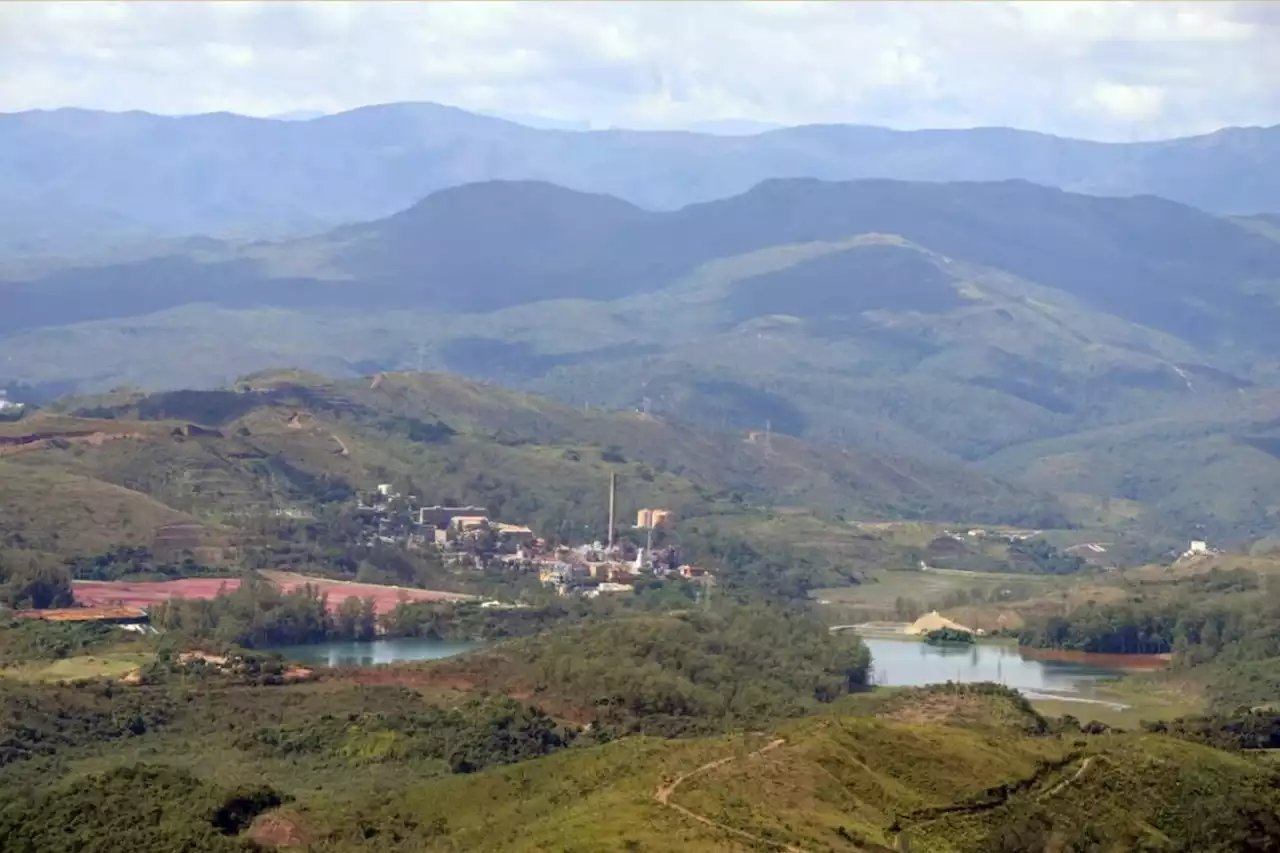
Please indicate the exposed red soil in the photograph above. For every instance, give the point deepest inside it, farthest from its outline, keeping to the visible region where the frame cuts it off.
(277, 829)
(146, 593)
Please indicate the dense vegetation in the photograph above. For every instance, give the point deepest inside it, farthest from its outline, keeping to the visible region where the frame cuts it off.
(28, 579)
(681, 673)
(37, 640)
(1245, 729)
(142, 808)
(943, 636)
(308, 738)
(1219, 628)
(1197, 626)
(136, 564)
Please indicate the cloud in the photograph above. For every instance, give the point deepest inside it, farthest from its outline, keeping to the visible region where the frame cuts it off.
(1108, 70)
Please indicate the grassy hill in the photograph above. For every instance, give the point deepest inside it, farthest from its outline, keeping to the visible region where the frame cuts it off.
(970, 773)
(240, 173)
(768, 742)
(287, 439)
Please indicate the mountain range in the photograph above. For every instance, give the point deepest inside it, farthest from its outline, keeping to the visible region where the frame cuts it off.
(1117, 352)
(235, 175)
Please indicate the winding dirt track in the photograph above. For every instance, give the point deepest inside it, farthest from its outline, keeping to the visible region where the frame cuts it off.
(663, 795)
(1057, 789)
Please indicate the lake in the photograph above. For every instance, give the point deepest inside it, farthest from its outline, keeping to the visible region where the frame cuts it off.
(896, 662)
(914, 663)
(373, 651)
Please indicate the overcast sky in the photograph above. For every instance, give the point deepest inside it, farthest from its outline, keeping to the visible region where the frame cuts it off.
(1103, 70)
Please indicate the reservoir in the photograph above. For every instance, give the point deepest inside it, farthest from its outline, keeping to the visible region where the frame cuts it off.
(896, 662)
(371, 652)
(912, 663)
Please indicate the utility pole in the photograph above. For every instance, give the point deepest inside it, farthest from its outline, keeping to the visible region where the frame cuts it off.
(613, 506)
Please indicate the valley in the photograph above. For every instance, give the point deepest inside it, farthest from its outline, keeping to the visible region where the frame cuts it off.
(403, 478)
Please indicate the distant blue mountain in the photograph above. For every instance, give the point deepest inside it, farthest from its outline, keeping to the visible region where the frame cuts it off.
(221, 172)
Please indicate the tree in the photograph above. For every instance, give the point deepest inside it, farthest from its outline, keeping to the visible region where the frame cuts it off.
(33, 581)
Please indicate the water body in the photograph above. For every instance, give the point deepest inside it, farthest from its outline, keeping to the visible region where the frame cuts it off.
(896, 662)
(914, 663)
(373, 652)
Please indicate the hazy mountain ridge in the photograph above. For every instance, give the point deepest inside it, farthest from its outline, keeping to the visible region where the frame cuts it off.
(222, 172)
(1144, 259)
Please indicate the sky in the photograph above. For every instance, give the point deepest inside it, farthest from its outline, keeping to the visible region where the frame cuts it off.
(1099, 70)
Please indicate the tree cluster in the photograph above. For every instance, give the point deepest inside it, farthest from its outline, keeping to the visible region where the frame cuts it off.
(31, 580)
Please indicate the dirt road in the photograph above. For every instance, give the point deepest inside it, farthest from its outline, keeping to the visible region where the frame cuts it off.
(664, 792)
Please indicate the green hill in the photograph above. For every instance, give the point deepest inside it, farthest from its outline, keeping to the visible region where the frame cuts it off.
(967, 776)
(224, 459)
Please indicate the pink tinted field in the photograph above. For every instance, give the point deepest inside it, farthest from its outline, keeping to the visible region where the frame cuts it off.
(144, 594)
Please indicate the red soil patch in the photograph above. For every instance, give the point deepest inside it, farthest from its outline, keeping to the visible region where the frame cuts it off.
(146, 593)
(385, 598)
(277, 829)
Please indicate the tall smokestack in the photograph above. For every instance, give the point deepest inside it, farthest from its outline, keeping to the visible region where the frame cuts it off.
(613, 506)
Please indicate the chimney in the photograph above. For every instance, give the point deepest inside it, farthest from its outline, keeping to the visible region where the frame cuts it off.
(613, 506)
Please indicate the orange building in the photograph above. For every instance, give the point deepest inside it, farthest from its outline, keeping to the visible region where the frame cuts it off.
(646, 518)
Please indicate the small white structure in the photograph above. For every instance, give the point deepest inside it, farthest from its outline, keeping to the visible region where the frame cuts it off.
(384, 489)
(1197, 549)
